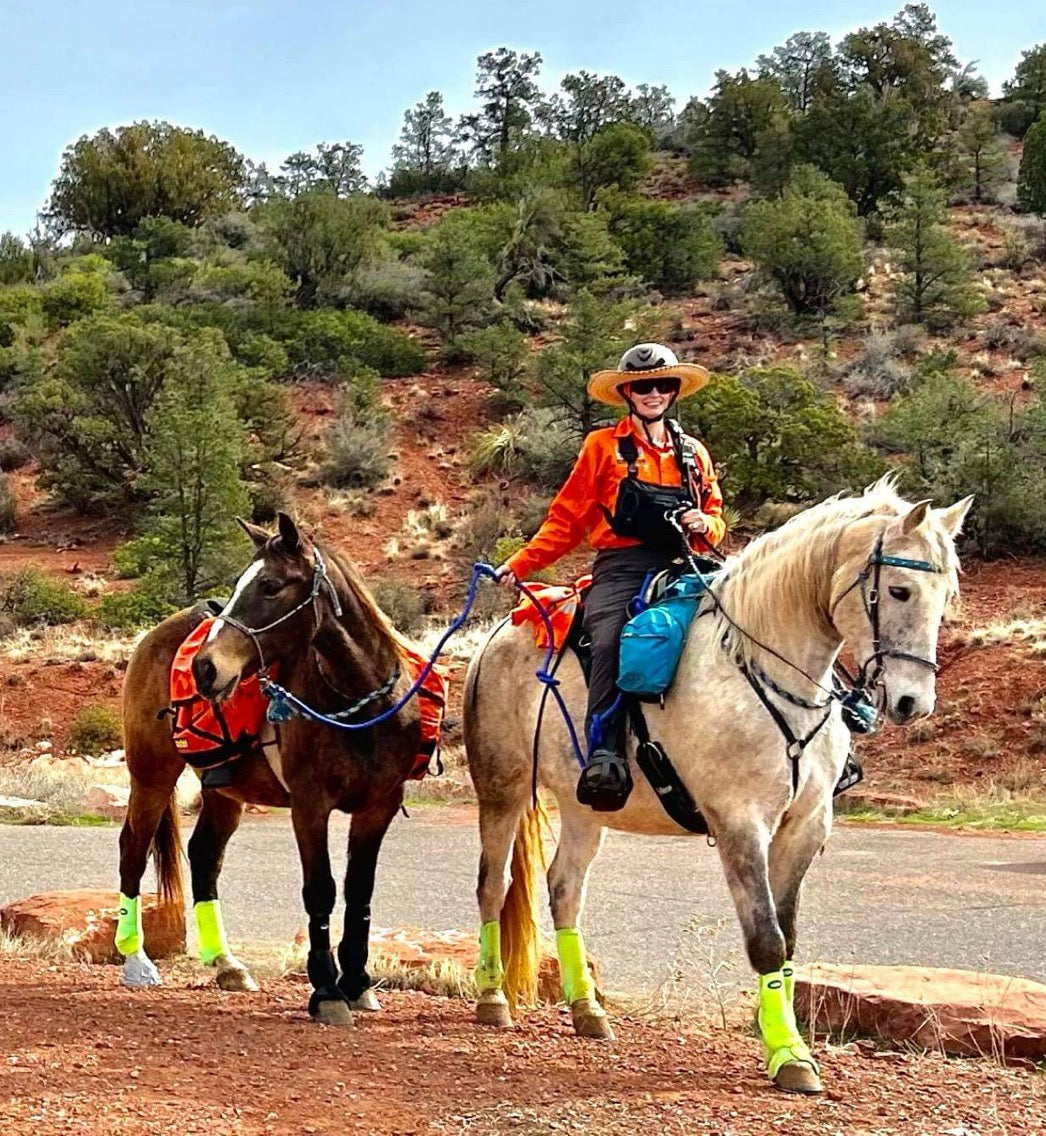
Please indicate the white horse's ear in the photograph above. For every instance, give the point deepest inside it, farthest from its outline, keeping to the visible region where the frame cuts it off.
(259, 537)
(953, 517)
(915, 517)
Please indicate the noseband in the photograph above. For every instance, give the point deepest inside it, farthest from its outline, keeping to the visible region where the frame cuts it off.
(867, 580)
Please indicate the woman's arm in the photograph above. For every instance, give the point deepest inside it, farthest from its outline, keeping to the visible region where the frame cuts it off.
(568, 519)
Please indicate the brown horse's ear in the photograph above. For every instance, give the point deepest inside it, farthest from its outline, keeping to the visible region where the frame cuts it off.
(915, 517)
(259, 537)
(288, 533)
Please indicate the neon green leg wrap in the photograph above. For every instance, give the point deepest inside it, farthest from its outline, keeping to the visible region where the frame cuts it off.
(210, 930)
(129, 937)
(788, 974)
(573, 965)
(778, 1027)
(490, 974)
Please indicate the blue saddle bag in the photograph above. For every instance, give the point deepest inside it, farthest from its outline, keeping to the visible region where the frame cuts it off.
(652, 641)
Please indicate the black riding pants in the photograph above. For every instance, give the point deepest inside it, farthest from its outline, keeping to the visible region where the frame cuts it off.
(617, 576)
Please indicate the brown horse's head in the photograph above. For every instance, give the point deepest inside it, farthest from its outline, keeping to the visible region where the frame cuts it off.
(273, 612)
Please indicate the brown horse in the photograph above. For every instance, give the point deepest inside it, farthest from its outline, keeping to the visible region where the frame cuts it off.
(308, 610)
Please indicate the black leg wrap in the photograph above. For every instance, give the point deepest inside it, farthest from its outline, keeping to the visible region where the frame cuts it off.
(352, 955)
(323, 974)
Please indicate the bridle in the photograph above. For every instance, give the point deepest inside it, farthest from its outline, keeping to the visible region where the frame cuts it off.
(321, 585)
(870, 671)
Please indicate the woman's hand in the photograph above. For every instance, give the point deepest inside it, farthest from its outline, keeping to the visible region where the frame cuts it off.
(693, 521)
(505, 575)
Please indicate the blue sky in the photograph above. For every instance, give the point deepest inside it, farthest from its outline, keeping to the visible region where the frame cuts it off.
(275, 77)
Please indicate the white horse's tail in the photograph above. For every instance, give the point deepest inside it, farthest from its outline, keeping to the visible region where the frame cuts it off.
(520, 938)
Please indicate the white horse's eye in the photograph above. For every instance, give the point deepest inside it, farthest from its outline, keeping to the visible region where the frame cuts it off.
(899, 593)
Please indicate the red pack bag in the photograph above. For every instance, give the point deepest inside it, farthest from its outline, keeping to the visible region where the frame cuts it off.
(210, 733)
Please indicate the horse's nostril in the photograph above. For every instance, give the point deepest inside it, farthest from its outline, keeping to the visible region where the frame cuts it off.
(204, 672)
(905, 705)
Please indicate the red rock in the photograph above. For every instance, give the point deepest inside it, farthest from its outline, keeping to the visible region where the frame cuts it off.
(86, 919)
(960, 1012)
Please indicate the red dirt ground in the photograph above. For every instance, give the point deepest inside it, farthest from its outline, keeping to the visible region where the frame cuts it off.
(82, 1055)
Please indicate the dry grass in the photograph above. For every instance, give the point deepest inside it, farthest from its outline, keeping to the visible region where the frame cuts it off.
(1029, 632)
(57, 797)
(59, 950)
(70, 643)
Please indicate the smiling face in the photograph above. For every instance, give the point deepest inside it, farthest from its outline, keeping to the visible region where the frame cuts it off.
(651, 397)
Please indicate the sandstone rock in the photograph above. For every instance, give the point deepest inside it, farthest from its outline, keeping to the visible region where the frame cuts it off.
(106, 801)
(960, 1012)
(86, 920)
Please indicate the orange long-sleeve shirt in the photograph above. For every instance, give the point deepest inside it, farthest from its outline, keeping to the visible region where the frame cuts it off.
(575, 511)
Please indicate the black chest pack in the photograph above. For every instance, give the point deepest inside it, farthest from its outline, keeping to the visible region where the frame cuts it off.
(642, 508)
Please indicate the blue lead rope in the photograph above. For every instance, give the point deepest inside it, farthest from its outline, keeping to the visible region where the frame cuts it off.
(283, 706)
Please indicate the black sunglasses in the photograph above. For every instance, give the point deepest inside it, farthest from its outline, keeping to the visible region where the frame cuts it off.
(666, 385)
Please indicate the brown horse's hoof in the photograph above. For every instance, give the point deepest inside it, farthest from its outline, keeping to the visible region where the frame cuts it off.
(798, 1077)
(366, 1003)
(333, 1012)
(233, 975)
(590, 1020)
(492, 1009)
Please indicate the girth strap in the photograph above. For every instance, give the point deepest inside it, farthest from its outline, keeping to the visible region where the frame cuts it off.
(658, 769)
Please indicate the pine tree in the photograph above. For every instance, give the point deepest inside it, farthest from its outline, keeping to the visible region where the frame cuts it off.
(425, 152)
(1031, 181)
(935, 286)
(196, 442)
(982, 153)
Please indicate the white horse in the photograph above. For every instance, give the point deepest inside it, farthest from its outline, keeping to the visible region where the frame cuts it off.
(871, 571)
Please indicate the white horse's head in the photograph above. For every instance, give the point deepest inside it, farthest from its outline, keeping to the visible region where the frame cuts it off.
(892, 579)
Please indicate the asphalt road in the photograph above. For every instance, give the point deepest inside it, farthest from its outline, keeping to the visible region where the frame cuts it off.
(656, 906)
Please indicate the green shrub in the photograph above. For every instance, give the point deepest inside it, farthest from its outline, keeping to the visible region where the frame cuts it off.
(807, 241)
(957, 440)
(669, 246)
(501, 354)
(73, 296)
(357, 447)
(14, 454)
(257, 280)
(7, 507)
(255, 349)
(30, 596)
(547, 447)
(486, 522)
(387, 290)
(95, 730)
(405, 605)
(777, 437)
(323, 339)
(143, 605)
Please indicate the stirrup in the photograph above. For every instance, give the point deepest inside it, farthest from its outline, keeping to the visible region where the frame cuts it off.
(605, 782)
(851, 775)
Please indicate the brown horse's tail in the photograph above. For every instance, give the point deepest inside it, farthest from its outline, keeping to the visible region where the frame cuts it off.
(520, 938)
(167, 848)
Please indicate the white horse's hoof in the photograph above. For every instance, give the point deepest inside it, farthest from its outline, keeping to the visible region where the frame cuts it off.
(333, 1013)
(367, 1002)
(233, 975)
(139, 971)
(493, 1009)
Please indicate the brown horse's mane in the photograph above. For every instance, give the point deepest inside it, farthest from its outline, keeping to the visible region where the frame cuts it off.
(351, 586)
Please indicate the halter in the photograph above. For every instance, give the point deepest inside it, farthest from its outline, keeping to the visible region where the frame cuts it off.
(321, 583)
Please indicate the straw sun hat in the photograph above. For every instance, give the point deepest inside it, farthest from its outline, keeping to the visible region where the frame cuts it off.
(646, 361)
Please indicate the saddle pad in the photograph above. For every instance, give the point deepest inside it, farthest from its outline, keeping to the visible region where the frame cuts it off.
(432, 705)
(560, 602)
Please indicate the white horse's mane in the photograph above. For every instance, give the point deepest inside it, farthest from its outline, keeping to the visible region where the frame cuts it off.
(774, 574)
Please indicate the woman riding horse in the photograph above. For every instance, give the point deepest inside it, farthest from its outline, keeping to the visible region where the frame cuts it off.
(625, 479)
